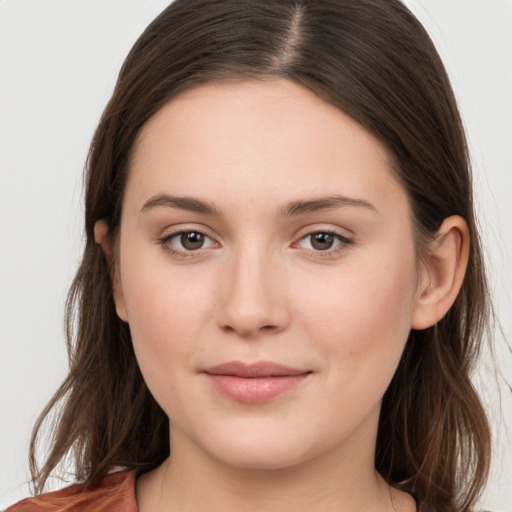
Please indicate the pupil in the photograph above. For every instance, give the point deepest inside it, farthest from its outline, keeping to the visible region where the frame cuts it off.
(192, 240)
(322, 241)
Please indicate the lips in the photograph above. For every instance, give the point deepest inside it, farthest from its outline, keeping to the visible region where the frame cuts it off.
(254, 383)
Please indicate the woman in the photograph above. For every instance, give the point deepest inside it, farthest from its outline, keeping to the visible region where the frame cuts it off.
(282, 284)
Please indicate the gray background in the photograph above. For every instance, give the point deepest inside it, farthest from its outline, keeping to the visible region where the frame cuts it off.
(58, 64)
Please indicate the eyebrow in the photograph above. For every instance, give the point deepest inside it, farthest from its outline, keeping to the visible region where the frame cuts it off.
(323, 203)
(292, 209)
(183, 203)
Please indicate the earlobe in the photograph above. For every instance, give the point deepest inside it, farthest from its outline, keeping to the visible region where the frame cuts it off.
(443, 273)
(102, 239)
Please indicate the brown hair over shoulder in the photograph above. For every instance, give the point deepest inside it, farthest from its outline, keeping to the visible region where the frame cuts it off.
(373, 60)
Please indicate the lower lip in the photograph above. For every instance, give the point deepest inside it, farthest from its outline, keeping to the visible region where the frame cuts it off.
(254, 390)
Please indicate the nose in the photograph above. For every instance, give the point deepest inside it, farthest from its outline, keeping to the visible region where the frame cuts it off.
(252, 298)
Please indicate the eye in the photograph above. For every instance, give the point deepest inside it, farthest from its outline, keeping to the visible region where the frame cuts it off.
(321, 241)
(183, 242)
(326, 242)
(191, 240)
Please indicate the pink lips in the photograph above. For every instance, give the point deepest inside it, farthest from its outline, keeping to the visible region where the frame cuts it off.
(254, 383)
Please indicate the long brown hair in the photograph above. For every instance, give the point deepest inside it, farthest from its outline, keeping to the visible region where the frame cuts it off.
(373, 60)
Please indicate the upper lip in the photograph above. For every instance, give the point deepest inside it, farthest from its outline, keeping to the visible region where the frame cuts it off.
(258, 369)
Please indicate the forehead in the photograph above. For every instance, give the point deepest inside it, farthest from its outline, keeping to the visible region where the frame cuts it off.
(273, 137)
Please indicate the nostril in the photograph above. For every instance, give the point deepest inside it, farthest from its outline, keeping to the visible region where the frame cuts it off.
(248, 331)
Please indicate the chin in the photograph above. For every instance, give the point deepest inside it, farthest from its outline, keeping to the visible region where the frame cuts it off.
(263, 450)
(262, 459)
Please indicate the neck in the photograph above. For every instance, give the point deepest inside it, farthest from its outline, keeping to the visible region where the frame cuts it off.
(342, 479)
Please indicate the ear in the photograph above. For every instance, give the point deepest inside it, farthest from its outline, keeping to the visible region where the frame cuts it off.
(101, 238)
(443, 273)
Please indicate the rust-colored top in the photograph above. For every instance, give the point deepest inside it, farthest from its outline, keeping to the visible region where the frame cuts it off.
(115, 493)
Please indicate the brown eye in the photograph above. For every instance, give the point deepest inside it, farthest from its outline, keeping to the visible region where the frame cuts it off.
(324, 244)
(322, 241)
(192, 240)
(188, 244)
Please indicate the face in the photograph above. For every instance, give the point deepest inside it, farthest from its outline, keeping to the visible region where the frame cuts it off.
(267, 271)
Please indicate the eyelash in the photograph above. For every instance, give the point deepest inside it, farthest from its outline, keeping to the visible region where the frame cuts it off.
(183, 253)
(344, 243)
(342, 246)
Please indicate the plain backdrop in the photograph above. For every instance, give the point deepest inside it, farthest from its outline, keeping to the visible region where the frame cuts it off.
(58, 64)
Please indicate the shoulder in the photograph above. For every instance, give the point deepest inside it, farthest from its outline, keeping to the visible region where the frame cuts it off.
(115, 493)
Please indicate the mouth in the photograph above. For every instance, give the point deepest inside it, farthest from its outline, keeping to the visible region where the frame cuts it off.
(254, 383)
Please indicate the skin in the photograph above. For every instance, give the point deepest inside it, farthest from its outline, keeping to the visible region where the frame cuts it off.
(260, 290)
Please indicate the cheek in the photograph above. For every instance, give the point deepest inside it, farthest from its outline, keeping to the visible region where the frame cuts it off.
(155, 310)
(362, 319)
(167, 312)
